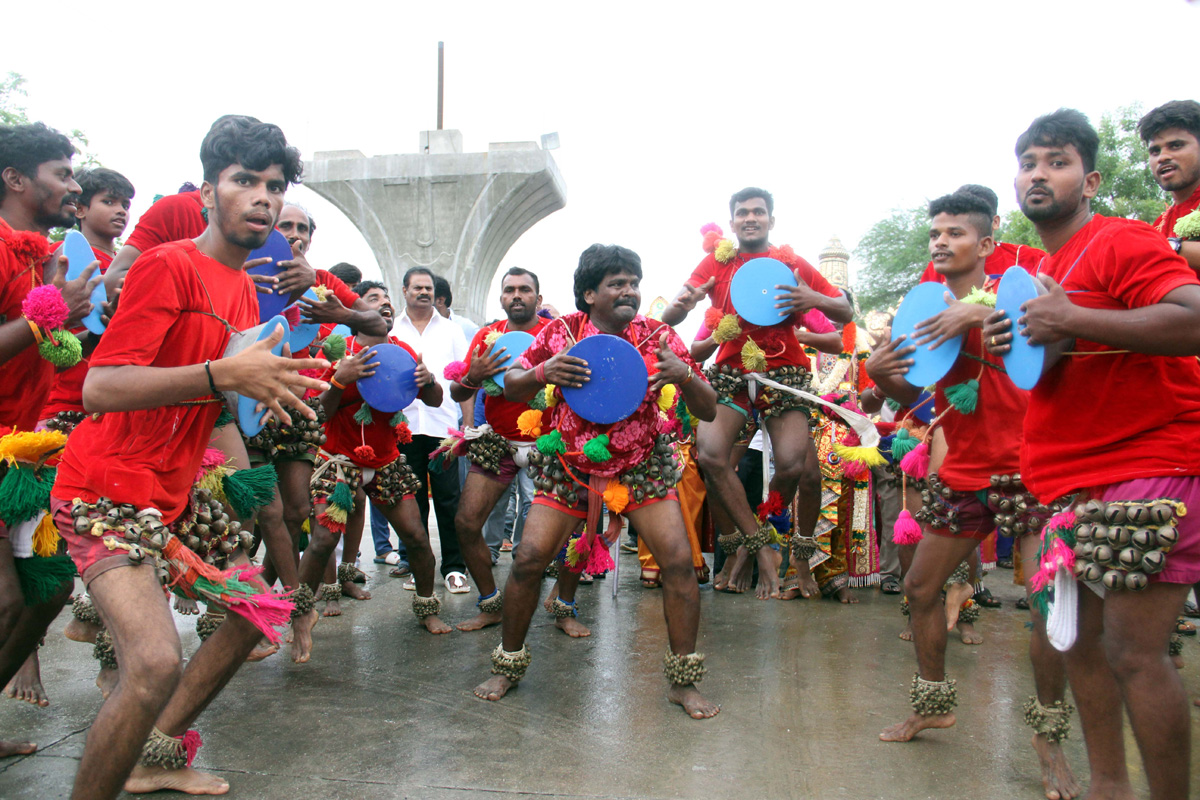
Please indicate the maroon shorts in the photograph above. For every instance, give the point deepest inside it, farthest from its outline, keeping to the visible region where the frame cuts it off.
(91, 556)
(508, 470)
(1183, 560)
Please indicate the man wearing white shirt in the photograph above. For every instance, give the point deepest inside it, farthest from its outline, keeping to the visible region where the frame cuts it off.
(439, 341)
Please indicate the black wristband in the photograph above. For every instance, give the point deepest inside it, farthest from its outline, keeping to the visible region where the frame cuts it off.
(1176, 243)
(211, 384)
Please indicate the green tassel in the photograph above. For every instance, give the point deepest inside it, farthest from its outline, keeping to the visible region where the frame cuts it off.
(596, 449)
(224, 418)
(397, 420)
(964, 396)
(492, 388)
(363, 415)
(66, 354)
(538, 401)
(43, 578)
(686, 421)
(894, 405)
(550, 443)
(342, 497)
(23, 493)
(903, 444)
(250, 489)
(334, 346)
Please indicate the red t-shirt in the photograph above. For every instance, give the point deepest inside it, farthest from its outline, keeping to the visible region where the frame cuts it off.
(25, 378)
(778, 340)
(632, 439)
(1100, 419)
(1004, 256)
(343, 433)
(174, 217)
(345, 296)
(1166, 220)
(502, 414)
(66, 393)
(149, 458)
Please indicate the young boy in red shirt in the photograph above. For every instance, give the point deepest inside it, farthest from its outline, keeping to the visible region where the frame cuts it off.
(974, 488)
(156, 382)
(1172, 136)
(1120, 310)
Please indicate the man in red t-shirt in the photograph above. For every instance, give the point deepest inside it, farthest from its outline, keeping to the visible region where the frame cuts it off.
(155, 384)
(628, 466)
(489, 475)
(1120, 310)
(1172, 136)
(37, 193)
(786, 416)
(974, 488)
(1004, 255)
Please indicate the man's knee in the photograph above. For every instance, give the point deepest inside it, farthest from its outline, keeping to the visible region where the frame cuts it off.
(150, 674)
(529, 562)
(711, 457)
(323, 541)
(1126, 660)
(920, 589)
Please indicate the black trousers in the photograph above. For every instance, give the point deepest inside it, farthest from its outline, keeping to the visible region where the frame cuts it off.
(444, 488)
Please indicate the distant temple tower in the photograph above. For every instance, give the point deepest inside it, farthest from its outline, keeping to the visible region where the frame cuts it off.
(834, 264)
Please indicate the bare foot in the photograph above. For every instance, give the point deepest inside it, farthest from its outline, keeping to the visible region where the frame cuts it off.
(493, 688)
(435, 625)
(721, 579)
(480, 621)
(186, 606)
(263, 649)
(106, 681)
(845, 596)
(27, 683)
(1177, 661)
(769, 560)
(79, 631)
(805, 582)
(548, 603)
(333, 608)
(741, 574)
(906, 634)
(689, 698)
(353, 590)
(651, 583)
(572, 627)
(302, 628)
(16, 749)
(187, 780)
(904, 731)
(1057, 777)
(968, 634)
(956, 595)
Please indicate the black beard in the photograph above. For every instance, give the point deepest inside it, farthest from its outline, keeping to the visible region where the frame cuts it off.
(250, 241)
(520, 317)
(60, 220)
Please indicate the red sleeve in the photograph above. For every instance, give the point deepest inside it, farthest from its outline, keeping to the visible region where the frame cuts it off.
(703, 271)
(476, 343)
(174, 217)
(930, 275)
(815, 280)
(341, 291)
(1140, 268)
(150, 306)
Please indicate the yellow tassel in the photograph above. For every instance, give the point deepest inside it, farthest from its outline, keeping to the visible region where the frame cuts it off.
(336, 513)
(573, 556)
(491, 338)
(666, 397)
(45, 537)
(322, 292)
(866, 455)
(551, 397)
(530, 423)
(725, 251)
(754, 358)
(307, 527)
(727, 330)
(30, 446)
(213, 481)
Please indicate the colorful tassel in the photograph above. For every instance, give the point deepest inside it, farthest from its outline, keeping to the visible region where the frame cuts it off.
(979, 297)
(754, 358)
(724, 251)
(398, 419)
(596, 449)
(855, 470)
(43, 578)
(907, 530)
(529, 423)
(538, 401)
(45, 537)
(24, 492)
(61, 348)
(45, 307)
(224, 418)
(363, 415)
(772, 506)
(964, 396)
(491, 338)
(916, 463)
(712, 318)
(250, 489)
(334, 347)
(616, 496)
(491, 388)
(455, 371)
(666, 397)
(403, 433)
(727, 329)
(191, 740)
(599, 559)
(551, 396)
(903, 444)
(364, 452)
(870, 456)
(550, 443)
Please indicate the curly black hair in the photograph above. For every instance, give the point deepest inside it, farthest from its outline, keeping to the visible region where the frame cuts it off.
(597, 263)
(237, 139)
(1060, 128)
(26, 147)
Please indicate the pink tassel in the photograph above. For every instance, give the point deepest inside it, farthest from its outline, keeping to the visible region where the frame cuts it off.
(854, 470)
(266, 611)
(710, 241)
(599, 560)
(907, 530)
(916, 463)
(212, 458)
(709, 226)
(191, 745)
(1060, 521)
(1041, 580)
(455, 370)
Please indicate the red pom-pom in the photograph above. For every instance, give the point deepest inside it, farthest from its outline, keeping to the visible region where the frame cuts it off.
(292, 315)
(403, 433)
(711, 239)
(907, 530)
(712, 318)
(455, 370)
(44, 306)
(364, 452)
(710, 227)
(787, 255)
(772, 506)
(854, 470)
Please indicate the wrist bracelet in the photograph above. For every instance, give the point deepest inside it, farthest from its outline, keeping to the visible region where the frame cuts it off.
(333, 382)
(1176, 243)
(539, 372)
(211, 383)
(691, 374)
(467, 384)
(37, 332)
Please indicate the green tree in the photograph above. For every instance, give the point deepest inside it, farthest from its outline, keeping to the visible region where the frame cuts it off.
(893, 252)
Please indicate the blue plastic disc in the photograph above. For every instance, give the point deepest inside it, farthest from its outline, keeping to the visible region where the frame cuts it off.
(79, 255)
(753, 291)
(514, 343)
(248, 420)
(277, 249)
(341, 330)
(393, 387)
(922, 302)
(303, 334)
(1023, 361)
(617, 384)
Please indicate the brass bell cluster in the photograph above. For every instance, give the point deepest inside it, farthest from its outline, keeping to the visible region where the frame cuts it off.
(302, 437)
(488, 451)
(1121, 544)
(656, 476)
(210, 533)
(65, 421)
(550, 477)
(1017, 511)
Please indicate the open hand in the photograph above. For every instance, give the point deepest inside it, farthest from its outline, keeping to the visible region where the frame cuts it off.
(670, 368)
(797, 299)
(296, 275)
(564, 370)
(485, 365)
(955, 321)
(328, 311)
(892, 360)
(272, 380)
(691, 295)
(77, 294)
(352, 367)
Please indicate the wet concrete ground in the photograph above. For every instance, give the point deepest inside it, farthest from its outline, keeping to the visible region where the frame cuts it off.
(385, 710)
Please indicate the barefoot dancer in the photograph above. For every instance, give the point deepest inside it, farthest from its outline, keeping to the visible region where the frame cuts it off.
(1121, 308)
(623, 456)
(360, 453)
(775, 352)
(500, 448)
(156, 379)
(972, 488)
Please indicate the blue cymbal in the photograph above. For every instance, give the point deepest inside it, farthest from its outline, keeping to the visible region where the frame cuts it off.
(617, 385)
(250, 421)
(752, 290)
(1023, 361)
(277, 249)
(925, 300)
(79, 255)
(514, 343)
(303, 334)
(393, 387)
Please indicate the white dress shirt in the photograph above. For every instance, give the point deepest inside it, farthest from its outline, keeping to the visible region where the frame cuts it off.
(441, 343)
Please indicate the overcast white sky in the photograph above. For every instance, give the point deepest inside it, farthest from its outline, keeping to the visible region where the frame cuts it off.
(842, 110)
